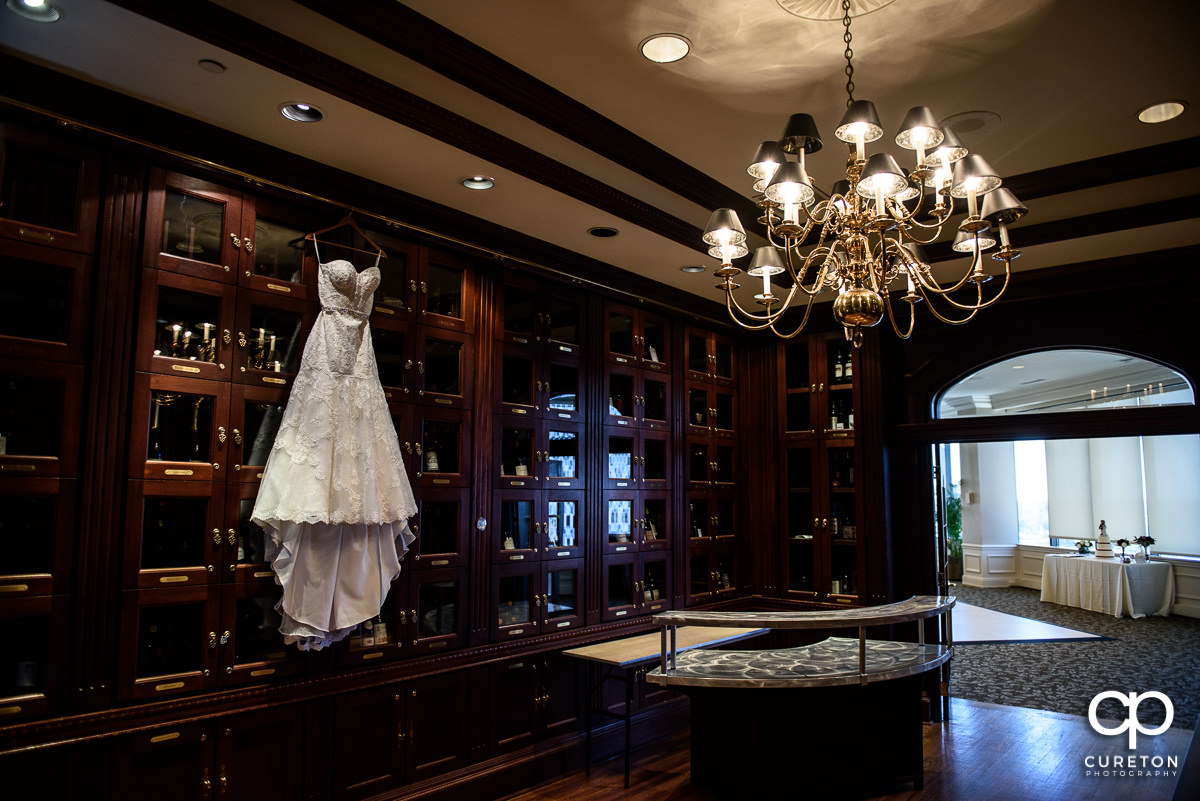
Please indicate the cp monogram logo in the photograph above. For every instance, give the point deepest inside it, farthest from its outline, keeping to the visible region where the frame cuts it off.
(1131, 723)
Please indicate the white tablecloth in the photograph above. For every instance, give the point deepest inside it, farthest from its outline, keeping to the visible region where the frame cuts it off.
(1110, 586)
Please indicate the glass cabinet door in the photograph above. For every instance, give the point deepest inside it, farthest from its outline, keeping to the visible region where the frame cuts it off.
(798, 385)
(39, 402)
(255, 647)
(619, 459)
(443, 374)
(562, 595)
(49, 190)
(700, 520)
(393, 356)
(563, 321)
(518, 453)
(655, 528)
(699, 578)
(442, 528)
(655, 342)
(802, 522)
(46, 293)
(655, 460)
(622, 395)
(515, 595)
(513, 532)
(37, 521)
(561, 455)
(620, 585)
(563, 391)
(175, 638)
(255, 414)
(444, 290)
(395, 297)
(441, 452)
(655, 402)
(179, 428)
(33, 657)
(175, 533)
(270, 339)
(518, 383)
(437, 612)
(563, 525)
(198, 227)
(186, 326)
(655, 592)
(621, 522)
(275, 258)
(620, 336)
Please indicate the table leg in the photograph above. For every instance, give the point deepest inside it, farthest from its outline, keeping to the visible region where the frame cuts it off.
(587, 738)
(629, 674)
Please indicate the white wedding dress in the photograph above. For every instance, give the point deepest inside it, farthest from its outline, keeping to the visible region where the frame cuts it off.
(335, 499)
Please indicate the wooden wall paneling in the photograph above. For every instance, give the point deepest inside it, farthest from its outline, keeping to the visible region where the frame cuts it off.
(320, 740)
(106, 427)
(486, 309)
(595, 412)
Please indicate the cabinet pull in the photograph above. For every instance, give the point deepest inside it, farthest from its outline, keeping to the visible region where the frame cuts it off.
(403, 618)
(225, 637)
(408, 446)
(222, 782)
(539, 386)
(237, 437)
(231, 536)
(212, 641)
(537, 600)
(237, 243)
(241, 339)
(248, 244)
(816, 523)
(824, 522)
(205, 786)
(221, 437)
(227, 336)
(424, 288)
(417, 446)
(400, 735)
(421, 368)
(408, 364)
(216, 536)
(821, 387)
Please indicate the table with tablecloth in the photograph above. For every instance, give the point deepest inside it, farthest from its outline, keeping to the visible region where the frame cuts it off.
(1110, 586)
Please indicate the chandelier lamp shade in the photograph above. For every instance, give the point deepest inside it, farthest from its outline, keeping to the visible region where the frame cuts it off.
(863, 239)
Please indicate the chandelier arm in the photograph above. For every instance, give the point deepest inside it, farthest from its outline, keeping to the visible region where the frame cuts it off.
(758, 321)
(981, 304)
(798, 276)
(948, 320)
(912, 318)
(937, 231)
(803, 322)
(935, 286)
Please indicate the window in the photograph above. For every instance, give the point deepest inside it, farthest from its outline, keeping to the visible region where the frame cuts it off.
(1055, 491)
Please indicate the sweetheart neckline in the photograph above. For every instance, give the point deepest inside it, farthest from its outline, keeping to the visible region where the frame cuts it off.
(345, 261)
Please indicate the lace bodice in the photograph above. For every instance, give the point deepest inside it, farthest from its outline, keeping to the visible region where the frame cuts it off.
(340, 286)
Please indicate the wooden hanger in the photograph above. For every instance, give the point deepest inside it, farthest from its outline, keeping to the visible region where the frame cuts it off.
(348, 220)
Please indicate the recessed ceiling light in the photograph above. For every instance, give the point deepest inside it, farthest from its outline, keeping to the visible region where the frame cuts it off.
(1018, 367)
(1161, 112)
(603, 232)
(478, 182)
(209, 65)
(36, 10)
(692, 268)
(301, 112)
(663, 48)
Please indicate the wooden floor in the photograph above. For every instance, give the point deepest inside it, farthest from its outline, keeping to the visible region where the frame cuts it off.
(985, 753)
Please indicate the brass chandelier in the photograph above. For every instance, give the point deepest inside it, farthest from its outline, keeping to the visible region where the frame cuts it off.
(870, 228)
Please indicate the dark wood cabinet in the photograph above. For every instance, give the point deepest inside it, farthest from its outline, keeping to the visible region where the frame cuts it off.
(236, 757)
(821, 506)
(530, 699)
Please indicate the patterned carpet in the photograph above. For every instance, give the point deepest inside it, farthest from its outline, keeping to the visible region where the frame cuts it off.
(1150, 653)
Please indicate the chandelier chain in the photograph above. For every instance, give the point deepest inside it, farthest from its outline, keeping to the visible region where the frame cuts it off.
(849, 53)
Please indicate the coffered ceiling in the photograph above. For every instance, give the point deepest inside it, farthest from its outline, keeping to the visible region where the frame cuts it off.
(553, 100)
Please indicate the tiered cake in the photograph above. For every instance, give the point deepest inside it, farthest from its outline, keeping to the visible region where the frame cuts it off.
(1103, 544)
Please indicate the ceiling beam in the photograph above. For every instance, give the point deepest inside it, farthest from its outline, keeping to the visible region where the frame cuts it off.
(419, 38)
(250, 40)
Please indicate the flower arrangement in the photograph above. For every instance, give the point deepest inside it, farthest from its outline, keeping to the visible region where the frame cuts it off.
(1123, 544)
(1145, 541)
(1083, 546)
